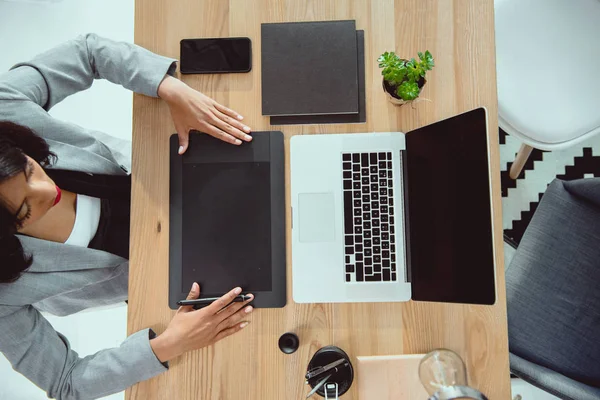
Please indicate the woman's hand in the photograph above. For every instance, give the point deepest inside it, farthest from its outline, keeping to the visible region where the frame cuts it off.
(192, 110)
(193, 329)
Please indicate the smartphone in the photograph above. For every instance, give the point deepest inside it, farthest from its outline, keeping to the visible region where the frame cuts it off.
(215, 56)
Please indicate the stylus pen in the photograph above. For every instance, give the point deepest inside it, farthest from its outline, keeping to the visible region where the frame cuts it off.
(209, 300)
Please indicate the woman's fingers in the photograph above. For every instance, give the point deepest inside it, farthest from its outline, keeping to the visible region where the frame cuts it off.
(228, 111)
(232, 126)
(234, 308)
(231, 130)
(184, 137)
(193, 294)
(218, 305)
(230, 331)
(213, 128)
(242, 312)
(219, 134)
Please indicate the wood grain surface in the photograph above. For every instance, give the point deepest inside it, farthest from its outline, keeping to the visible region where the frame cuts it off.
(249, 366)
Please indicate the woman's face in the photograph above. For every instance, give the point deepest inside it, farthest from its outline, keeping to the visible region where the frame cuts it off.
(29, 194)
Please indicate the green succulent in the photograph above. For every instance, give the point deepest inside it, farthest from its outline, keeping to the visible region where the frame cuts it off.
(408, 90)
(405, 74)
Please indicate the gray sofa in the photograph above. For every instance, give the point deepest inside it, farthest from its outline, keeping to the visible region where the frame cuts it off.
(553, 293)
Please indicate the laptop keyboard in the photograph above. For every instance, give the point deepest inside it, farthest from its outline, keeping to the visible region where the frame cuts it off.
(369, 231)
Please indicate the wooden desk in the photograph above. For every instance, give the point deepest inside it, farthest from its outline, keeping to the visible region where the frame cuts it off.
(249, 366)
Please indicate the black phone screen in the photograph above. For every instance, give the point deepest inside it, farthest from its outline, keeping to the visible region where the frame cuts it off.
(218, 55)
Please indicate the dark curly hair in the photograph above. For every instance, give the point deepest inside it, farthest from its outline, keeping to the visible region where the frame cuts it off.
(16, 141)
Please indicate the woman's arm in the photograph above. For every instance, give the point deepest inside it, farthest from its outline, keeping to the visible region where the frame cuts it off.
(44, 356)
(72, 67)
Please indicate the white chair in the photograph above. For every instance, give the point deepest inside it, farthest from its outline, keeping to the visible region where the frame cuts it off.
(548, 67)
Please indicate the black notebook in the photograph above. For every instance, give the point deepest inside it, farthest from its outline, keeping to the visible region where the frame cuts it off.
(309, 68)
(336, 118)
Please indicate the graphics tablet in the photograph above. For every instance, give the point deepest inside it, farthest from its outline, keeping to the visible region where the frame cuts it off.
(227, 218)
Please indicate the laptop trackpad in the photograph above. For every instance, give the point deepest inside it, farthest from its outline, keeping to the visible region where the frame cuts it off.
(316, 217)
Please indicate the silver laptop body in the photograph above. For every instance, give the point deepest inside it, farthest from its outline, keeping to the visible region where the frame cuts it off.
(348, 233)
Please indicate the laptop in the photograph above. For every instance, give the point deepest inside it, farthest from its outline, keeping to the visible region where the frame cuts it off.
(382, 217)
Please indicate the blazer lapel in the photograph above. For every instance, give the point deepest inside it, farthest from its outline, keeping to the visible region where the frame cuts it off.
(94, 185)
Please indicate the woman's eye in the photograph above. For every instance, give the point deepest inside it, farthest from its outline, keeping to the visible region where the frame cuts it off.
(24, 214)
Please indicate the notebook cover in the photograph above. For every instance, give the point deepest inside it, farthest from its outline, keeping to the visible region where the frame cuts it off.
(390, 378)
(336, 118)
(309, 68)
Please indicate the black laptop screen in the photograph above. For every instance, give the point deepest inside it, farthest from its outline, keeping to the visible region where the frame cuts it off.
(449, 212)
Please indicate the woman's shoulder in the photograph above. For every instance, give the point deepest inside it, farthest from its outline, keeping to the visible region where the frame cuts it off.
(51, 256)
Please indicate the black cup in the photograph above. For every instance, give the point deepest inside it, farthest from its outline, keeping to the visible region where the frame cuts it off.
(289, 343)
(343, 376)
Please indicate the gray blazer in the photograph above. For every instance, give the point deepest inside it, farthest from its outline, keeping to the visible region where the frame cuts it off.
(66, 279)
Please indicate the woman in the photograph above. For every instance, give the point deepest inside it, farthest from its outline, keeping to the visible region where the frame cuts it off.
(64, 219)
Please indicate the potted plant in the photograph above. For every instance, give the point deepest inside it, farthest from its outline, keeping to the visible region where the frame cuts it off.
(404, 79)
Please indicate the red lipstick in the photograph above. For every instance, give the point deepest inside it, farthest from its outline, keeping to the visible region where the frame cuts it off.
(58, 196)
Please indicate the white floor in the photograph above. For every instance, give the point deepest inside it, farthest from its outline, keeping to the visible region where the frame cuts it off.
(29, 27)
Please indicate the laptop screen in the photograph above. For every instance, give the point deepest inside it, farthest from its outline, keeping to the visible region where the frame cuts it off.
(450, 242)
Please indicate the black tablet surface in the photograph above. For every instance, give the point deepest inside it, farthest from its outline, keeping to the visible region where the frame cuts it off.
(227, 218)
